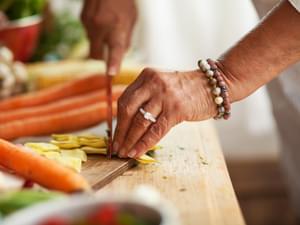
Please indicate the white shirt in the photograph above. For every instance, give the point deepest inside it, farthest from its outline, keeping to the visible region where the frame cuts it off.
(296, 4)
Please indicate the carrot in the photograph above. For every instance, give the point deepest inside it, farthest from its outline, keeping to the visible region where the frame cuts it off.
(56, 123)
(72, 88)
(60, 106)
(41, 170)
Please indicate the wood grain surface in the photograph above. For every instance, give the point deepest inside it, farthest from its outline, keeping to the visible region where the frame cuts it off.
(99, 170)
(191, 174)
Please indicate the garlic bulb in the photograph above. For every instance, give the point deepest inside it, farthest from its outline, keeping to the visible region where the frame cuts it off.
(13, 75)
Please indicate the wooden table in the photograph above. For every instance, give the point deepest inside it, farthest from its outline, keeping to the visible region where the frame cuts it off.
(191, 174)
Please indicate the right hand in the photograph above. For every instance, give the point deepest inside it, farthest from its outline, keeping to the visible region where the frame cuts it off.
(109, 23)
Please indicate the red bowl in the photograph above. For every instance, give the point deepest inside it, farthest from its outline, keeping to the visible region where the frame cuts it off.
(21, 36)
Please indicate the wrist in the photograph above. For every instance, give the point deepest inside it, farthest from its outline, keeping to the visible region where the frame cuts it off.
(205, 106)
(236, 88)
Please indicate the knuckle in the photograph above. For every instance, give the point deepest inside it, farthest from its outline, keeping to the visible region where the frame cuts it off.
(143, 144)
(128, 142)
(118, 45)
(140, 122)
(100, 21)
(123, 108)
(155, 75)
(147, 71)
(159, 129)
(177, 104)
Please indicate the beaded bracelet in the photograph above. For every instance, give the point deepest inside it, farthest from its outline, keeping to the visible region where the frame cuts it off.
(219, 89)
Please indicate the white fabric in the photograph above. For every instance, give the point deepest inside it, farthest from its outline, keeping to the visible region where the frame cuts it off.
(285, 96)
(174, 34)
(296, 4)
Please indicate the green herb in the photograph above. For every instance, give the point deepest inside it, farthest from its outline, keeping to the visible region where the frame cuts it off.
(17, 9)
(57, 42)
(203, 161)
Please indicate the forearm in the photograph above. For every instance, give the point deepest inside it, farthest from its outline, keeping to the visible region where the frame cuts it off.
(262, 54)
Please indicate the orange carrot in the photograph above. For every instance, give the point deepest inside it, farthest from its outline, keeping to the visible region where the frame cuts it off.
(56, 123)
(41, 170)
(72, 88)
(60, 106)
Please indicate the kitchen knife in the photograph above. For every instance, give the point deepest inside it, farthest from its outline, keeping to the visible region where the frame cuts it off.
(109, 114)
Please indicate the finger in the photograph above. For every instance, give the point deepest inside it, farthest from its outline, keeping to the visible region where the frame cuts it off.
(128, 104)
(152, 136)
(117, 48)
(139, 126)
(97, 46)
(88, 12)
(95, 36)
(123, 121)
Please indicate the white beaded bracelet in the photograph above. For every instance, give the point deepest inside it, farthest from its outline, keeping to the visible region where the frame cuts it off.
(219, 89)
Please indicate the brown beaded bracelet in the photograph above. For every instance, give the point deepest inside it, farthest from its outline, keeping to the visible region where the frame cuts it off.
(219, 89)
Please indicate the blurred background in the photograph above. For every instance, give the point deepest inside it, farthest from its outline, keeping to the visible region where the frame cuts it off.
(174, 34)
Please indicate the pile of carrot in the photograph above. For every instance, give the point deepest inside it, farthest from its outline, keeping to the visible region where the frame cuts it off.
(65, 107)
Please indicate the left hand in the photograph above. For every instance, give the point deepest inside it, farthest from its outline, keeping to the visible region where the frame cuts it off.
(109, 25)
(171, 97)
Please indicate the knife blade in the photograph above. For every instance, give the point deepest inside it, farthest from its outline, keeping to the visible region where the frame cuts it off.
(109, 114)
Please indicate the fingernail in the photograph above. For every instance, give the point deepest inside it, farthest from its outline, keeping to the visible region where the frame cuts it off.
(115, 147)
(112, 71)
(122, 153)
(132, 153)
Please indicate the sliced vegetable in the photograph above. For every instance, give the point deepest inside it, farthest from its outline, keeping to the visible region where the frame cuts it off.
(77, 153)
(73, 163)
(66, 144)
(145, 159)
(69, 158)
(93, 150)
(42, 146)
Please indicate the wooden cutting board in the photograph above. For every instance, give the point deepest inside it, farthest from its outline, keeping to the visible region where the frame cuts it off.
(99, 170)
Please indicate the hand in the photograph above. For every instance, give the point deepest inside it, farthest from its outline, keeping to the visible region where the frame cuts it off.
(109, 23)
(171, 97)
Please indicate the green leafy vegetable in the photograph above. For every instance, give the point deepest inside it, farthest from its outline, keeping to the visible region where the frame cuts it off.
(17, 9)
(58, 41)
(12, 201)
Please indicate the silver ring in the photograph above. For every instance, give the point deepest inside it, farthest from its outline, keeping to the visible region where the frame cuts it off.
(148, 116)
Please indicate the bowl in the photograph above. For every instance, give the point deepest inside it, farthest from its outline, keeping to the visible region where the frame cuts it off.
(21, 36)
(77, 207)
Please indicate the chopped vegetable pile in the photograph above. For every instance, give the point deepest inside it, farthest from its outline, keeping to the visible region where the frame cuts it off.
(71, 150)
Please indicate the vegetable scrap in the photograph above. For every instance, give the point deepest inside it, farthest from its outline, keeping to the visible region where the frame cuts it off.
(180, 148)
(182, 189)
(203, 160)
